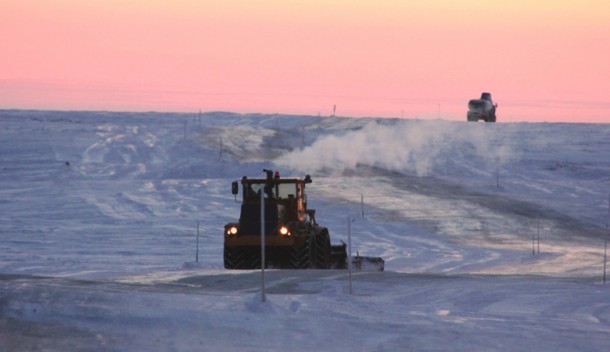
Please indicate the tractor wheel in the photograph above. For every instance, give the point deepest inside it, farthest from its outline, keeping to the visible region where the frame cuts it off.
(234, 258)
(301, 256)
(239, 258)
(322, 252)
(255, 261)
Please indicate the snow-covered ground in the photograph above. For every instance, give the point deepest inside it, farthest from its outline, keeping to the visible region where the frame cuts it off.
(100, 210)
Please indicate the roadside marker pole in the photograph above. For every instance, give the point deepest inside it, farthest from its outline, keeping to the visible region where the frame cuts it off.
(538, 233)
(605, 258)
(262, 245)
(362, 204)
(197, 251)
(533, 244)
(349, 257)
(220, 148)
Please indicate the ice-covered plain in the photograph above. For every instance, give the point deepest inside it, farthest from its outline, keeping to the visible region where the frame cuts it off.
(100, 212)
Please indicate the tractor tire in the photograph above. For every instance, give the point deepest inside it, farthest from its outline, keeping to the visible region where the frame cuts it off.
(234, 258)
(301, 257)
(239, 258)
(322, 252)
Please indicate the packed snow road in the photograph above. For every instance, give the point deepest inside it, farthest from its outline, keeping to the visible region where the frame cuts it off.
(100, 214)
(305, 310)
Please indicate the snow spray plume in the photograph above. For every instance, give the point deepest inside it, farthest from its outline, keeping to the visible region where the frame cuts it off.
(404, 146)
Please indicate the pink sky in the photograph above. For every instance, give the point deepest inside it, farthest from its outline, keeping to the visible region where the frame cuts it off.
(541, 60)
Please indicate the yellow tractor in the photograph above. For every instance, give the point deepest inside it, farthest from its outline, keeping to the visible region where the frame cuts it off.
(293, 239)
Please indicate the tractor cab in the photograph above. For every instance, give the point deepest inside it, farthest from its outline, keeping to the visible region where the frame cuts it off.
(289, 193)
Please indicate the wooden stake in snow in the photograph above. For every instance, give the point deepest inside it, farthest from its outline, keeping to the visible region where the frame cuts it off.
(605, 257)
(538, 234)
(197, 250)
(220, 148)
(533, 244)
(262, 245)
(349, 251)
(362, 204)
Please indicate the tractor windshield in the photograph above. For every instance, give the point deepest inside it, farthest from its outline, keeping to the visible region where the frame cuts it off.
(286, 190)
(279, 191)
(252, 191)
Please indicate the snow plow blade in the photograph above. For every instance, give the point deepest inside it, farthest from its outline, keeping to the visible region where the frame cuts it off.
(339, 260)
(338, 256)
(367, 263)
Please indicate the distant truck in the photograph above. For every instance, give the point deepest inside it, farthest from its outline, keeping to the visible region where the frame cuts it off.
(482, 109)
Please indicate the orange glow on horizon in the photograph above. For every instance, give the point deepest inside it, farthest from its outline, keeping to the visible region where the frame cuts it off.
(546, 60)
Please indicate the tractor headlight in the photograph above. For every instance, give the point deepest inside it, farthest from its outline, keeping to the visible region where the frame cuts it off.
(232, 231)
(284, 231)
